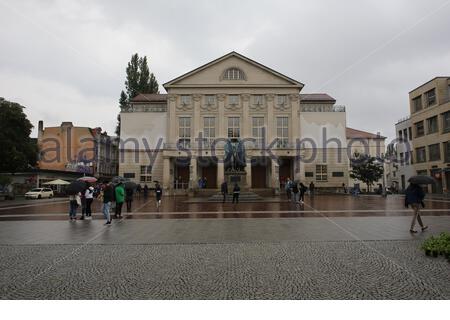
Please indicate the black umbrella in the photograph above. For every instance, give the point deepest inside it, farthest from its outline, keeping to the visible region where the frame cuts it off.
(422, 180)
(76, 186)
(118, 179)
(130, 185)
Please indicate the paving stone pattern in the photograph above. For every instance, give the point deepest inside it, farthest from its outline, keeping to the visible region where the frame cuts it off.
(246, 270)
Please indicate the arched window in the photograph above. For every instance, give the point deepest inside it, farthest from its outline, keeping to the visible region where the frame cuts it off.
(234, 74)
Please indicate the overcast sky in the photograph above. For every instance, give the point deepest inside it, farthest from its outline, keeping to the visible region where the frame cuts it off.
(66, 60)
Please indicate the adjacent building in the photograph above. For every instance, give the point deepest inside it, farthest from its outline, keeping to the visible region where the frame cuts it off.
(82, 150)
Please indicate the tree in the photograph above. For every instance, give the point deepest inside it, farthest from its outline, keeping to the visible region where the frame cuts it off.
(18, 151)
(139, 80)
(366, 169)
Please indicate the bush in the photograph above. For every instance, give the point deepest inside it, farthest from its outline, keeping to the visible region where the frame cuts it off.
(439, 245)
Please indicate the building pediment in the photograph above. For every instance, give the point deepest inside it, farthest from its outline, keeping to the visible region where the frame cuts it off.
(232, 70)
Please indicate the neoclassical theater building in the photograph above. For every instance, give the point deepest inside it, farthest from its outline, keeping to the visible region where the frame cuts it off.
(180, 137)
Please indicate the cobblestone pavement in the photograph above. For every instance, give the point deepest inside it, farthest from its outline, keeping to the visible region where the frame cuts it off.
(295, 258)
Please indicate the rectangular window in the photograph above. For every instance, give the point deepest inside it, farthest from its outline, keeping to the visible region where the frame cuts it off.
(417, 103)
(186, 99)
(234, 130)
(258, 130)
(233, 99)
(420, 129)
(184, 132)
(430, 97)
(405, 134)
(446, 122)
(447, 151)
(321, 172)
(129, 175)
(337, 174)
(434, 152)
(258, 99)
(309, 174)
(400, 135)
(210, 99)
(281, 99)
(421, 155)
(411, 157)
(402, 159)
(410, 133)
(432, 124)
(145, 174)
(209, 130)
(282, 132)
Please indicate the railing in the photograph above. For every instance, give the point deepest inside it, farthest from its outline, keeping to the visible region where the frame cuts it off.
(403, 119)
(322, 108)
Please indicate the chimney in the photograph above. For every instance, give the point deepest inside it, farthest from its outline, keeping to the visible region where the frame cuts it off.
(40, 129)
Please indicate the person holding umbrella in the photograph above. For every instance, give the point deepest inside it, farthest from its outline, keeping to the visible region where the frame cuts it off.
(107, 196)
(414, 196)
(129, 191)
(120, 198)
(74, 203)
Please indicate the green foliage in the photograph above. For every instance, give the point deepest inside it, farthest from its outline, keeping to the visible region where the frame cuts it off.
(366, 169)
(18, 151)
(437, 245)
(139, 80)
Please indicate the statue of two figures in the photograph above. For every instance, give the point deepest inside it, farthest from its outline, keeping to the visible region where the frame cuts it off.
(234, 156)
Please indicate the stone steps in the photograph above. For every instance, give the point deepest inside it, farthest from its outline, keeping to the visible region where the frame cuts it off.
(244, 196)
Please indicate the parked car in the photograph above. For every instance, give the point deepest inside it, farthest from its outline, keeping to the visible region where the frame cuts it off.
(39, 193)
(7, 192)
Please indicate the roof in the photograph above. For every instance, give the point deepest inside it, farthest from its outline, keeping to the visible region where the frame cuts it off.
(317, 97)
(238, 55)
(150, 97)
(423, 84)
(359, 134)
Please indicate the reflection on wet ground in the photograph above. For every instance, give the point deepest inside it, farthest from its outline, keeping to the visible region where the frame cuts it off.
(183, 208)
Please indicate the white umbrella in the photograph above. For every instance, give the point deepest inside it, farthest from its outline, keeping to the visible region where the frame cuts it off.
(57, 182)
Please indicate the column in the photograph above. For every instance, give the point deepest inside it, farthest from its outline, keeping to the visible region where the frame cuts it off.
(193, 174)
(295, 121)
(246, 131)
(197, 126)
(220, 171)
(166, 174)
(172, 125)
(270, 118)
(275, 180)
(221, 122)
(248, 171)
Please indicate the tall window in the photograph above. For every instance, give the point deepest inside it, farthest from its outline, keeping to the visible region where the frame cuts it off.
(420, 129)
(282, 132)
(410, 133)
(233, 99)
(234, 74)
(405, 134)
(447, 151)
(209, 130)
(146, 174)
(321, 172)
(417, 103)
(400, 135)
(184, 132)
(258, 99)
(446, 122)
(421, 155)
(234, 130)
(186, 99)
(431, 97)
(434, 152)
(258, 130)
(432, 124)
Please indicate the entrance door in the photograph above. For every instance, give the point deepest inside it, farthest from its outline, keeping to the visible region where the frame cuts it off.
(208, 170)
(285, 171)
(181, 173)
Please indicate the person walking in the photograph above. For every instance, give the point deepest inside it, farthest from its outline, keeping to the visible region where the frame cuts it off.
(311, 188)
(74, 203)
(120, 198)
(295, 192)
(236, 192)
(107, 198)
(224, 190)
(138, 191)
(302, 190)
(145, 191)
(414, 196)
(89, 196)
(288, 188)
(129, 198)
(158, 193)
(83, 204)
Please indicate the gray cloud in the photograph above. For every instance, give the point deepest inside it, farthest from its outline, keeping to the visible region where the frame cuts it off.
(66, 60)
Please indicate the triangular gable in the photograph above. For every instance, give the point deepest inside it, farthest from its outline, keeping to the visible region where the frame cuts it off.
(199, 75)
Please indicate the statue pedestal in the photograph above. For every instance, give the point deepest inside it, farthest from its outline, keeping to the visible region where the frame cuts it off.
(239, 177)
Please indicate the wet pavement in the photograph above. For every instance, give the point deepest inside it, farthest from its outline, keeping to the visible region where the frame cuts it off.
(277, 207)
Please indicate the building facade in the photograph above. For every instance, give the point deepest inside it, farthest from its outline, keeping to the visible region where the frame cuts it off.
(77, 149)
(183, 136)
(430, 123)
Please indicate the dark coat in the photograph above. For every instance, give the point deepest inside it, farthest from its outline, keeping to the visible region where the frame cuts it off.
(108, 194)
(224, 187)
(414, 194)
